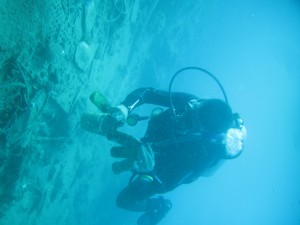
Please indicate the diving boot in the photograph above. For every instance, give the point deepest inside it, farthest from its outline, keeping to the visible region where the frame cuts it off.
(154, 217)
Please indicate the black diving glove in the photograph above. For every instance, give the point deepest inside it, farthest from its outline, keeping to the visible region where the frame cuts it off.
(99, 124)
(137, 156)
(111, 118)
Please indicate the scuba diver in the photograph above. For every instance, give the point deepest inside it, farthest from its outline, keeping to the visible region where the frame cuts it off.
(187, 139)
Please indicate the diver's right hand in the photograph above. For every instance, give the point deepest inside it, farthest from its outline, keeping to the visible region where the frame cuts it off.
(120, 113)
(103, 124)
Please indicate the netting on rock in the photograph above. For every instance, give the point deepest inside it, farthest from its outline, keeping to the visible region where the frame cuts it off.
(53, 54)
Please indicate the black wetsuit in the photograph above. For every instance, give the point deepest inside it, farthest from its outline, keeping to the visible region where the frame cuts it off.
(182, 151)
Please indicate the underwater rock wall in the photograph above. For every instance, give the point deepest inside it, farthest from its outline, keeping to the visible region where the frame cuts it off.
(53, 54)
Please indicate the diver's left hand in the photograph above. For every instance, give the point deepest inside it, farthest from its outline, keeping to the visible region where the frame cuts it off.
(145, 160)
(138, 159)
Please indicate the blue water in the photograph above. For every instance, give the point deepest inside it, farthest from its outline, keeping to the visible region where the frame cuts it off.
(254, 49)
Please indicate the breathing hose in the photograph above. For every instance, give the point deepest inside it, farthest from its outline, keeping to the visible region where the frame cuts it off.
(198, 69)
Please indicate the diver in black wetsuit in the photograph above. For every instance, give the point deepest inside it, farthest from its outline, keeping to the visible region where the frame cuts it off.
(174, 151)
